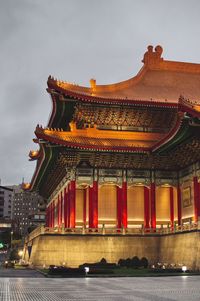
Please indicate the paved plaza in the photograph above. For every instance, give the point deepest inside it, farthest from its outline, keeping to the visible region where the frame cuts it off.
(183, 288)
(19, 273)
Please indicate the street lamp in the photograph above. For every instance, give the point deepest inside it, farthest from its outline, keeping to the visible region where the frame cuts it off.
(20, 253)
(184, 268)
(11, 239)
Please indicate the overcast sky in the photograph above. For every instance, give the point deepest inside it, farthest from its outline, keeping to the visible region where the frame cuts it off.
(76, 40)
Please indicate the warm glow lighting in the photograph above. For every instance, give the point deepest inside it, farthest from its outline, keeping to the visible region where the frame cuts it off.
(26, 186)
(87, 269)
(184, 268)
(197, 108)
(133, 139)
(34, 153)
(20, 253)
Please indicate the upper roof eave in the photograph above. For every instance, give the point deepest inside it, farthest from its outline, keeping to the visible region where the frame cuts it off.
(106, 100)
(121, 92)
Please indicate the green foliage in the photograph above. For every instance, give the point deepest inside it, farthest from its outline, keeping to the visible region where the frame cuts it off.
(144, 262)
(14, 255)
(5, 237)
(135, 262)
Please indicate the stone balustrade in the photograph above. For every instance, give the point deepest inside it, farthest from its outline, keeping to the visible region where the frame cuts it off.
(113, 231)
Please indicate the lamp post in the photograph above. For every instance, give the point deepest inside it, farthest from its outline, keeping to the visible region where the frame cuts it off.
(20, 254)
(11, 239)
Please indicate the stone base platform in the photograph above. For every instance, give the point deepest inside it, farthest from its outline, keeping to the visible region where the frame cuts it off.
(76, 249)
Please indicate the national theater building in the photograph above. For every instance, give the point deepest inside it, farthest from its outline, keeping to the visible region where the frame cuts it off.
(119, 166)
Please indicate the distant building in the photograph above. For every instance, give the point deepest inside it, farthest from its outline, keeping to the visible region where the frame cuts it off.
(6, 199)
(28, 210)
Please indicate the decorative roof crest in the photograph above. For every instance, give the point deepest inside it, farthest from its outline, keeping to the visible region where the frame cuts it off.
(26, 186)
(34, 155)
(93, 84)
(186, 101)
(152, 57)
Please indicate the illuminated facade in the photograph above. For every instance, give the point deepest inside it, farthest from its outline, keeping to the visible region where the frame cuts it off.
(123, 156)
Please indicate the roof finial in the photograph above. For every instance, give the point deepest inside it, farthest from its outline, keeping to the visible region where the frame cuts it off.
(93, 84)
(152, 57)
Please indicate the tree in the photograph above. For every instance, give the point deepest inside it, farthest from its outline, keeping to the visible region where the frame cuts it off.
(135, 262)
(128, 262)
(144, 262)
(122, 262)
(103, 261)
(14, 255)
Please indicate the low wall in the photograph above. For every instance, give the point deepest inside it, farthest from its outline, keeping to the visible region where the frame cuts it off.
(77, 249)
(183, 248)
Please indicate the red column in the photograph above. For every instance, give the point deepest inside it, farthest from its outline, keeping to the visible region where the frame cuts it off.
(49, 222)
(53, 214)
(124, 204)
(179, 206)
(90, 207)
(119, 207)
(171, 196)
(84, 205)
(72, 204)
(196, 198)
(91, 210)
(146, 208)
(95, 204)
(61, 208)
(153, 205)
(198, 202)
(58, 210)
(68, 206)
(65, 207)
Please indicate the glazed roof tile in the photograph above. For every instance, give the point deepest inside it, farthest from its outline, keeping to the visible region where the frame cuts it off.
(158, 80)
(100, 139)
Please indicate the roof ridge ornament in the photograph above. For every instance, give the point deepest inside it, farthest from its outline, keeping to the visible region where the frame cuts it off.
(34, 155)
(186, 101)
(26, 186)
(93, 84)
(189, 106)
(153, 57)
